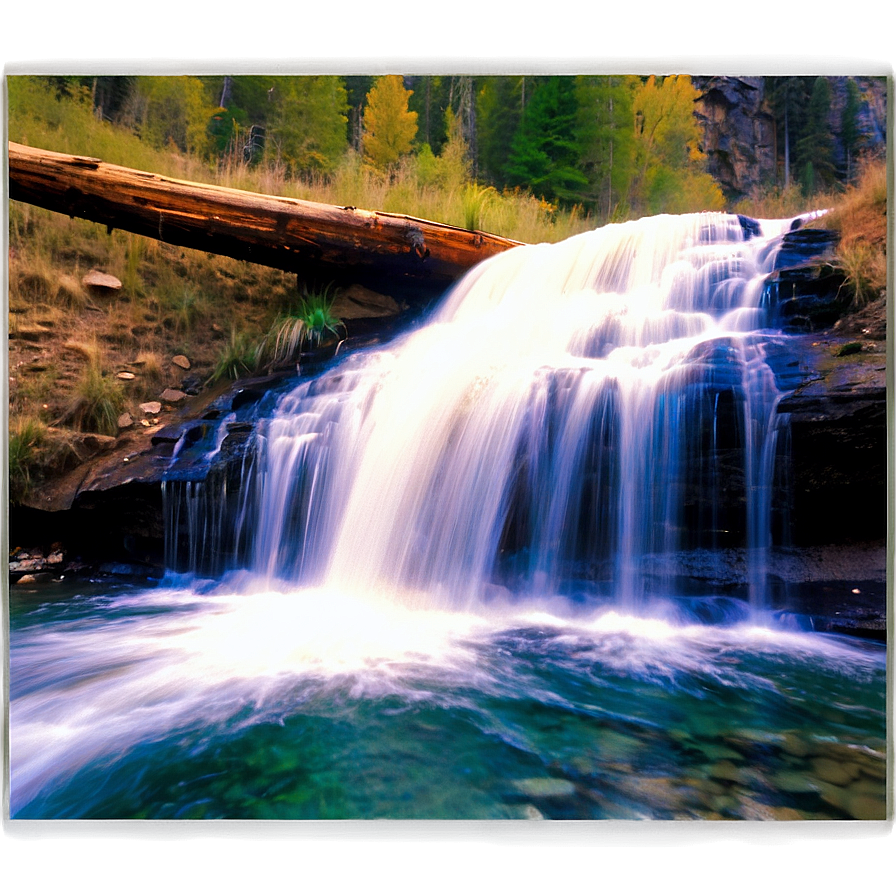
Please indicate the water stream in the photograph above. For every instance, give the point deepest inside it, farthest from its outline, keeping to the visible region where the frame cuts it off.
(454, 583)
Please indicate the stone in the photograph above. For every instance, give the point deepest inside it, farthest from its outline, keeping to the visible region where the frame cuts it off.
(173, 396)
(545, 788)
(835, 796)
(715, 752)
(125, 421)
(867, 808)
(794, 782)
(192, 384)
(125, 375)
(753, 810)
(101, 282)
(727, 771)
(795, 746)
(26, 579)
(661, 793)
(95, 442)
(832, 772)
(151, 407)
(181, 361)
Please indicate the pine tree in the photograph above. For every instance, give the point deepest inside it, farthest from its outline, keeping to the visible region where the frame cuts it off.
(815, 150)
(499, 110)
(850, 134)
(389, 126)
(544, 154)
(787, 97)
(606, 137)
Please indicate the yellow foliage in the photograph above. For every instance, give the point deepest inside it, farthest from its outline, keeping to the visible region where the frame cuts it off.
(389, 126)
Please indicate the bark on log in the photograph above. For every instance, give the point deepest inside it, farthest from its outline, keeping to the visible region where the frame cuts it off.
(393, 253)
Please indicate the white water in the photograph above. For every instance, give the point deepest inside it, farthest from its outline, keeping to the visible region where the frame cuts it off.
(550, 414)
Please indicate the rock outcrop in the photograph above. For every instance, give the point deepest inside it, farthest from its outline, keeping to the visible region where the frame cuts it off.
(738, 132)
(739, 135)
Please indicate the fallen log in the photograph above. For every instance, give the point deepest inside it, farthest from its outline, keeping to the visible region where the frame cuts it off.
(392, 253)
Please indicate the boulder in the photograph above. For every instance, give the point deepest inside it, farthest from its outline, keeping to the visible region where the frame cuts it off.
(100, 282)
(173, 396)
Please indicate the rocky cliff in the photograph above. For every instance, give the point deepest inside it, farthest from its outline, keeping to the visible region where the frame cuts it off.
(743, 145)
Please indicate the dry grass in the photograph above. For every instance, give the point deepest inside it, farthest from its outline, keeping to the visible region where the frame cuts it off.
(861, 218)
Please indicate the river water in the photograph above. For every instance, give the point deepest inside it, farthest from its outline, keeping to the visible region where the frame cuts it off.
(451, 588)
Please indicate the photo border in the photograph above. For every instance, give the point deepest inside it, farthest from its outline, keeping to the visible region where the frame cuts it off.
(489, 36)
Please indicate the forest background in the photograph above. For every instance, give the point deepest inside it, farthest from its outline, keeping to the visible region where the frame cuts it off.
(531, 157)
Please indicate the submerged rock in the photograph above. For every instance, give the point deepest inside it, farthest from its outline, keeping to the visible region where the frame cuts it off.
(545, 788)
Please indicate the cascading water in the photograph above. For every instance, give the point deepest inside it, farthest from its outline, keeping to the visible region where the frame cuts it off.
(439, 586)
(568, 408)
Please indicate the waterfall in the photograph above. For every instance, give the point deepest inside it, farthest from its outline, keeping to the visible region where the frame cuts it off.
(574, 412)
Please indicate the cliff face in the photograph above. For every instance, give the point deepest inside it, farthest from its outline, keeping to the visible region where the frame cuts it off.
(738, 132)
(740, 138)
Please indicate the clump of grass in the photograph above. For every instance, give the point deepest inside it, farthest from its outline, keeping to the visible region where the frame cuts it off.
(98, 397)
(88, 350)
(475, 198)
(865, 272)
(238, 357)
(861, 218)
(316, 312)
(183, 308)
(306, 327)
(25, 437)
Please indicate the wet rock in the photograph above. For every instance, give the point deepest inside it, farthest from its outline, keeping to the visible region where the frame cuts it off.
(835, 772)
(181, 361)
(660, 793)
(151, 408)
(794, 745)
(805, 244)
(192, 384)
(794, 782)
(716, 752)
(618, 747)
(26, 564)
(869, 786)
(835, 796)
(545, 788)
(173, 396)
(753, 810)
(867, 808)
(727, 771)
(136, 571)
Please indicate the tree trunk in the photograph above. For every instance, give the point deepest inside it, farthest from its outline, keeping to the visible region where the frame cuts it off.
(395, 254)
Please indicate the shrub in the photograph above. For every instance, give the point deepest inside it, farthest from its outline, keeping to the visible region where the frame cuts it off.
(99, 401)
(25, 437)
(238, 357)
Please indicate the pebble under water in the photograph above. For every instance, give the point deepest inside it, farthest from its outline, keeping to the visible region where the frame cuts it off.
(206, 700)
